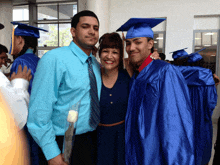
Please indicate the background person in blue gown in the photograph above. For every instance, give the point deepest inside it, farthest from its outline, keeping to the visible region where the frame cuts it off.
(23, 49)
(203, 96)
(159, 122)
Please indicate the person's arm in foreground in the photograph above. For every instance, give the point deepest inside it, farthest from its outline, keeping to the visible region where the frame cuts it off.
(17, 96)
(13, 144)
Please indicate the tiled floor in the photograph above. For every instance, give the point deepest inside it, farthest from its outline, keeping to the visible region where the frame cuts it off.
(214, 139)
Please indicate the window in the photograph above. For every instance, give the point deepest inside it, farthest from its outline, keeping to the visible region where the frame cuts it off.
(54, 17)
(206, 36)
(159, 37)
(159, 41)
(208, 40)
(20, 13)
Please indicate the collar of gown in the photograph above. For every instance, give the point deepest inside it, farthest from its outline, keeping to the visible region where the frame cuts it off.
(29, 51)
(145, 63)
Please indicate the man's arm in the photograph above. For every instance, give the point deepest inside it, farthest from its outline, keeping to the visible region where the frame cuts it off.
(43, 98)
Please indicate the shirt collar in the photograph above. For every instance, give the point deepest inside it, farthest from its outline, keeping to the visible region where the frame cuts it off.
(29, 51)
(79, 52)
(145, 63)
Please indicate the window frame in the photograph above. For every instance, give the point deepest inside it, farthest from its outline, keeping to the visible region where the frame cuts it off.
(218, 45)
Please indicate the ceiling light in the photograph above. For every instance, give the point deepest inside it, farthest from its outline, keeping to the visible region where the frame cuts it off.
(209, 34)
(159, 38)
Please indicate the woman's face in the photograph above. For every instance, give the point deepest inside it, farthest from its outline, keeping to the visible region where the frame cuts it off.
(110, 58)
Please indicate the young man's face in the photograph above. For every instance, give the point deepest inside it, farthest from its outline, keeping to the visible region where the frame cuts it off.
(86, 33)
(138, 49)
(3, 58)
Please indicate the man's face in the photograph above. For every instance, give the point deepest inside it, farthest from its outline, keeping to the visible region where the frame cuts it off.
(3, 58)
(86, 33)
(138, 49)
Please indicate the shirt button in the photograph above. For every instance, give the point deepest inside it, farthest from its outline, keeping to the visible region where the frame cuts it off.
(111, 102)
(110, 94)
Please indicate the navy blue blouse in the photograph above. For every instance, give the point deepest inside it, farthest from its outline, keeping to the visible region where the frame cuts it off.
(113, 101)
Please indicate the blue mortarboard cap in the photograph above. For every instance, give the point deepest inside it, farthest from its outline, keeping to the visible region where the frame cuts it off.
(140, 27)
(193, 57)
(26, 30)
(179, 53)
(1, 26)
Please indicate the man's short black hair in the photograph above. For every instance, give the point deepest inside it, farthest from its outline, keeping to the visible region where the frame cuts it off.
(162, 56)
(75, 19)
(3, 49)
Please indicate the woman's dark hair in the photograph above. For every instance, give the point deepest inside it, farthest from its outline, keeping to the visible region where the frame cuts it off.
(112, 40)
(76, 17)
(28, 42)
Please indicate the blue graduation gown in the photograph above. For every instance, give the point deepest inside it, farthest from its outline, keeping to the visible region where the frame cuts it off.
(159, 123)
(203, 97)
(30, 60)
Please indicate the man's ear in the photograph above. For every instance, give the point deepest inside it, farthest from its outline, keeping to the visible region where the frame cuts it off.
(150, 44)
(73, 31)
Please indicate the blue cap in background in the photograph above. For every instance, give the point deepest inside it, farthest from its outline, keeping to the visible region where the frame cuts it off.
(179, 53)
(26, 30)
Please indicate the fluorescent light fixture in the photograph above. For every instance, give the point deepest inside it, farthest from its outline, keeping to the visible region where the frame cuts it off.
(213, 55)
(198, 38)
(155, 42)
(207, 45)
(209, 34)
(159, 38)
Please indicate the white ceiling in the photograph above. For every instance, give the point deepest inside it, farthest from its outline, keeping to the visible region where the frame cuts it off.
(17, 2)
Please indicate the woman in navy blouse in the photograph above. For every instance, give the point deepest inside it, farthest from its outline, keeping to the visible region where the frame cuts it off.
(113, 102)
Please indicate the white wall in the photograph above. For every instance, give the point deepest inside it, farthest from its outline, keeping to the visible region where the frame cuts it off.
(5, 19)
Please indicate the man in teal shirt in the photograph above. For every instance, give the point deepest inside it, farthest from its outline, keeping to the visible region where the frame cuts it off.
(62, 79)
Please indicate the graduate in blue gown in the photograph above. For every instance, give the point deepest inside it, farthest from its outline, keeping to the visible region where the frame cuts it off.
(159, 121)
(23, 48)
(203, 97)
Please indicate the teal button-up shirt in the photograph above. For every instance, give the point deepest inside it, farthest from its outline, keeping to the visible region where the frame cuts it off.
(61, 80)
